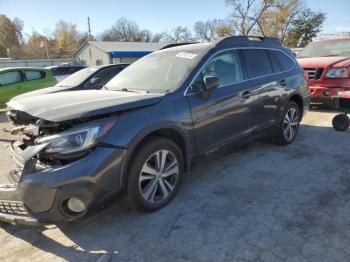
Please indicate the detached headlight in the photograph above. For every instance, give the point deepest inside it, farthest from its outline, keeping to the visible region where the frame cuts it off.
(76, 139)
(337, 73)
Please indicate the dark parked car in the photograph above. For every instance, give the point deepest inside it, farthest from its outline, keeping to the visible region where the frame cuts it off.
(138, 138)
(60, 72)
(88, 78)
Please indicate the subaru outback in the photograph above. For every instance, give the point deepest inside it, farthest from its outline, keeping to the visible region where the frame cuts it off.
(137, 138)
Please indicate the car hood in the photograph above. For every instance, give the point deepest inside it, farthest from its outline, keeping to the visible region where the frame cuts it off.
(336, 61)
(43, 91)
(57, 107)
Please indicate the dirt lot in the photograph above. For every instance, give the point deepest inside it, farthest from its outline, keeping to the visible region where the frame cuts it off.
(260, 202)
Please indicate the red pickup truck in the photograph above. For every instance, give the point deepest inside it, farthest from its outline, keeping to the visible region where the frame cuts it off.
(327, 68)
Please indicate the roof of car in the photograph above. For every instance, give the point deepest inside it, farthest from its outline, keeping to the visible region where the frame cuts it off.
(63, 66)
(22, 68)
(110, 65)
(227, 42)
(333, 39)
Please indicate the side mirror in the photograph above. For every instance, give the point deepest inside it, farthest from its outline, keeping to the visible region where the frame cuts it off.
(95, 83)
(210, 83)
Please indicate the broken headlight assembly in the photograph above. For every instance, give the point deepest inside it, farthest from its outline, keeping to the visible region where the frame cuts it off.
(76, 139)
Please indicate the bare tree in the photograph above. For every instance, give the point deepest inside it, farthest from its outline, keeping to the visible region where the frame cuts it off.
(246, 13)
(66, 38)
(178, 35)
(126, 30)
(10, 34)
(212, 29)
(278, 21)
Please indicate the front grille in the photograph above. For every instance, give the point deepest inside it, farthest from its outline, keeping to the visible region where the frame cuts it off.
(314, 73)
(15, 208)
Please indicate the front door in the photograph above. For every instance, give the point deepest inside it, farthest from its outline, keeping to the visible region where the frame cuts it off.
(225, 113)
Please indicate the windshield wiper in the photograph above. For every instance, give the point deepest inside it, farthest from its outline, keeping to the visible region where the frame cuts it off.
(130, 90)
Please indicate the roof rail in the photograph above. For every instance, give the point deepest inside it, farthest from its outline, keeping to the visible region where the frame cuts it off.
(177, 44)
(251, 40)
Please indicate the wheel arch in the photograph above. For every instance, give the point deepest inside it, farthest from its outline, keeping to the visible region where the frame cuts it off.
(299, 101)
(169, 131)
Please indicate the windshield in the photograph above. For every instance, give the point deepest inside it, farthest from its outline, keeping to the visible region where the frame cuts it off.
(77, 78)
(160, 71)
(326, 48)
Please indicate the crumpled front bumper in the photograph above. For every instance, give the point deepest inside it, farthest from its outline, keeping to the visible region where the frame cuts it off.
(13, 210)
(36, 192)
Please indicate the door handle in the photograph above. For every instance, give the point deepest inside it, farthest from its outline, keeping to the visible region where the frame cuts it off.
(246, 95)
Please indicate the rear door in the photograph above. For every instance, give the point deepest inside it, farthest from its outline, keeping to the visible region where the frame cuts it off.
(266, 85)
(11, 83)
(225, 114)
(36, 79)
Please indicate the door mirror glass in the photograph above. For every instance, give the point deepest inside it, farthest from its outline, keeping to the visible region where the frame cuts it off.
(95, 83)
(210, 83)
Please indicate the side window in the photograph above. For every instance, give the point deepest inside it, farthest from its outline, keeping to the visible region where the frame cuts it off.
(8, 78)
(257, 62)
(276, 65)
(197, 83)
(106, 75)
(226, 66)
(60, 71)
(285, 61)
(33, 75)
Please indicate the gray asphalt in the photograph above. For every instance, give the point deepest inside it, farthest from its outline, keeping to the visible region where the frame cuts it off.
(260, 202)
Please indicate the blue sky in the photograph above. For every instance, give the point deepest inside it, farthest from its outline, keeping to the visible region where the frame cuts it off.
(155, 15)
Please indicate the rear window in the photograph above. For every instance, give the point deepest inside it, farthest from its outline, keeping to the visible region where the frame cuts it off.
(33, 75)
(284, 62)
(59, 71)
(8, 78)
(257, 62)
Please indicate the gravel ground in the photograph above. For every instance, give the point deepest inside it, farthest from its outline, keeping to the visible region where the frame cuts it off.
(260, 202)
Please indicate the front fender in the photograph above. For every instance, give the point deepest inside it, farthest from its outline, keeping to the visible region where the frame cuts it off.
(134, 126)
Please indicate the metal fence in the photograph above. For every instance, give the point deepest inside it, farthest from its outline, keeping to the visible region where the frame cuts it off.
(32, 63)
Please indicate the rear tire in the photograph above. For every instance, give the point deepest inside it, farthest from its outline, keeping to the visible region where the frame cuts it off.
(341, 122)
(289, 125)
(155, 174)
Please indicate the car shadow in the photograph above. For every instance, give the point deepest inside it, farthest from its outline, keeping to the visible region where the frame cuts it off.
(119, 231)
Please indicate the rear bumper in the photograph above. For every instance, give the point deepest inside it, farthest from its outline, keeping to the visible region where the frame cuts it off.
(38, 193)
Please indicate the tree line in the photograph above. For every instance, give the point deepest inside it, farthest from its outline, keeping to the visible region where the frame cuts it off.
(289, 20)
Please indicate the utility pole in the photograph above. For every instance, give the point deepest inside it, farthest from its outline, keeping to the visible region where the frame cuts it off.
(47, 50)
(89, 28)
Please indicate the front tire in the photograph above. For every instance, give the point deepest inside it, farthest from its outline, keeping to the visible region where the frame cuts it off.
(289, 125)
(155, 174)
(341, 122)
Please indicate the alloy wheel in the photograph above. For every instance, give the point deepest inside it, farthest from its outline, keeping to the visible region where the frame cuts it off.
(158, 176)
(290, 124)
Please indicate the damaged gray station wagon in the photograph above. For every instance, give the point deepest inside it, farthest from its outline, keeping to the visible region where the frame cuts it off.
(81, 151)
